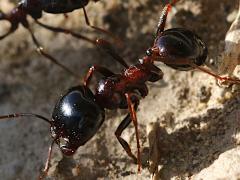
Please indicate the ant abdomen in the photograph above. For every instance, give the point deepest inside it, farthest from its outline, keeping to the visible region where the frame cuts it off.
(52, 6)
(60, 6)
(76, 119)
(179, 44)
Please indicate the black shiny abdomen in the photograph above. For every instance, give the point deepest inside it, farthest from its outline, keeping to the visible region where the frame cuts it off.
(180, 43)
(62, 6)
(54, 6)
(33, 7)
(77, 117)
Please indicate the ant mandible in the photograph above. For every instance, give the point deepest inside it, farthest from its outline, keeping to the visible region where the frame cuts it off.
(79, 113)
(35, 8)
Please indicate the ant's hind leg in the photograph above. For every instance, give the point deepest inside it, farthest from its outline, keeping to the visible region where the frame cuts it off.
(47, 164)
(117, 40)
(104, 71)
(48, 56)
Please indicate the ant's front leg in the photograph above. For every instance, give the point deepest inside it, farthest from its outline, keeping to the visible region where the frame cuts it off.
(220, 78)
(104, 71)
(47, 164)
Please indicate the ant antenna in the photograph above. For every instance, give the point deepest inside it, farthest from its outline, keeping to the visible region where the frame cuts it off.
(13, 27)
(163, 17)
(16, 115)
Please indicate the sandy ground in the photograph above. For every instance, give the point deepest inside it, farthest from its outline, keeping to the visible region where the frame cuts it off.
(194, 122)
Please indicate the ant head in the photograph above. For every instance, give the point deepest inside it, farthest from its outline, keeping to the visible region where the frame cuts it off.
(76, 119)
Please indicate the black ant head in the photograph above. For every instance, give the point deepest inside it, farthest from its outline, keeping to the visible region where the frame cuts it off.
(76, 119)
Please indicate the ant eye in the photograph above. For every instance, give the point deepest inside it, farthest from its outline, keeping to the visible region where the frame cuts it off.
(149, 52)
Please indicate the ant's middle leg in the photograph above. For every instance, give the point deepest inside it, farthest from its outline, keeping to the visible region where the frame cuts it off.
(104, 71)
(48, 56)
(65, 31)
(107, 47)
(123, 125)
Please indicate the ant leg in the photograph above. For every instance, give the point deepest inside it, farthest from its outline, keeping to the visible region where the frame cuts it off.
(65, 15)
(117, 40)
(215, 75)
(65, 31)
(46, 168)
(107, 47)
(7, 34)
(135, 123)
(14, 25)
(163, 17)
(104, 71)
(48, 56)
(124, 124)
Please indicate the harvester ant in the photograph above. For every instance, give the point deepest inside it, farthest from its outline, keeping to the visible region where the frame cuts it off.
(79, 113)
(35, 8)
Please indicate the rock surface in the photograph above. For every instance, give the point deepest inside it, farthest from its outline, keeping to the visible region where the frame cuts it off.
(196, 121)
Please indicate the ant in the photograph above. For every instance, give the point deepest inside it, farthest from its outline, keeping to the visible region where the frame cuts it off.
(35, 8)
(79, 113)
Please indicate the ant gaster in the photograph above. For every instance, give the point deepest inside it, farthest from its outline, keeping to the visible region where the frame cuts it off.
(35, 8)
(79, 113)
